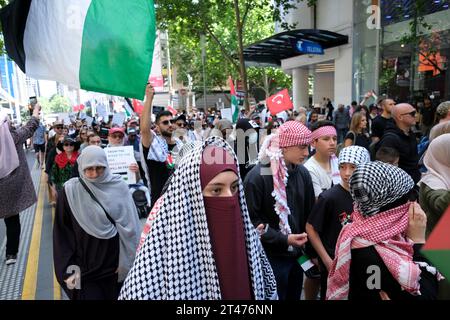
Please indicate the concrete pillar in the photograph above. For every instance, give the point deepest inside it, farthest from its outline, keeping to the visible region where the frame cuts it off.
(343, 77)
(300, 87)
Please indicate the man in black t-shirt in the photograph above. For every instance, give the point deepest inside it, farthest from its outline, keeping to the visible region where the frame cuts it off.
(332, 210)
(380, 122)
(157, 148)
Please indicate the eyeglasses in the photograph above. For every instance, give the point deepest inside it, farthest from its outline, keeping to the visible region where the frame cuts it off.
(412, 113)
(98, 169)
(181, 124)
(68, 144)
(59, 127)
(117, 136)
(167, 122)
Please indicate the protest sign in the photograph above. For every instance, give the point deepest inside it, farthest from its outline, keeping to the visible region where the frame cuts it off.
(119, 159)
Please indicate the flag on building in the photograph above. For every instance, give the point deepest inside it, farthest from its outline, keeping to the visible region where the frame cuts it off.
(437, 247)
(279, 102)
(88, 44)
(234, 101)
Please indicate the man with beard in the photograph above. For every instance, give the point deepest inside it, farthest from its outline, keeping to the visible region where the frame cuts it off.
(158, 148)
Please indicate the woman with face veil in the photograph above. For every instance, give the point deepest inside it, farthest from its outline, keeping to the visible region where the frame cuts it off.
(199, 243)
(94, 241)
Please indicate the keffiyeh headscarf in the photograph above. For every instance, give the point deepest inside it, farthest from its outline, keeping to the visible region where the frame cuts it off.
(355, 155)
(292, 133)
(376, 184)
(175, 260)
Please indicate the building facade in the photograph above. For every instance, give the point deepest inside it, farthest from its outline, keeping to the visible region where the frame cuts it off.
(384, 53)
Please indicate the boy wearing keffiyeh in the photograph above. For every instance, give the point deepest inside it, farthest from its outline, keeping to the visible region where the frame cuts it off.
(280, 195)
(332, 210)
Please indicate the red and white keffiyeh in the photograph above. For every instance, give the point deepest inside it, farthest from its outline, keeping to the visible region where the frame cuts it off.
(323, 131)
(292, 133)
(386, 232)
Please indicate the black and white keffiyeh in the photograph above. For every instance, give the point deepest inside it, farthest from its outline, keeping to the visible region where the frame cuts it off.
(355, 155)
(376, 184)
(176, 262)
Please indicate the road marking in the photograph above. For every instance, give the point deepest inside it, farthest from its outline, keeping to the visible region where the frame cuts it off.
(56, 288)
(30, 282)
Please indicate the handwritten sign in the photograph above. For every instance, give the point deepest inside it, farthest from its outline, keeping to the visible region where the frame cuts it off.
(119, 160)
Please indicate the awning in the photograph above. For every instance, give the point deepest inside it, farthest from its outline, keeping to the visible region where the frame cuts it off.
(281, 46)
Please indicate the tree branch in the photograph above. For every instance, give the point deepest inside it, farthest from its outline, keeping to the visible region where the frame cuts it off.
(244, 19)
(222, 48)
(431, 62)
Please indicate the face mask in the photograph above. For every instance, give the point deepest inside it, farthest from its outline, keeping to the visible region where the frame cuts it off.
(253, 138)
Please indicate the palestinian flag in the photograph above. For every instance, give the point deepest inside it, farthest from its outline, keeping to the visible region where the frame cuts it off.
(97, 45)
(234, 102)
(437, 247)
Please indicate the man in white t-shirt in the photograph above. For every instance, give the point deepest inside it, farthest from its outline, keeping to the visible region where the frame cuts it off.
(323, 166)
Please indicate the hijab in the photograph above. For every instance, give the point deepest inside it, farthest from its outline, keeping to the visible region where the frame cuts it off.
(112, 192)
(175, 260)
(437, 161)
(9, 159)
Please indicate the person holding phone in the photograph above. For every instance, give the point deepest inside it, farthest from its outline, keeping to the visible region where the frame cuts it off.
(17, 191)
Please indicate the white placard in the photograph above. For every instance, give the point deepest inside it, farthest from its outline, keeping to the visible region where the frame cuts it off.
(226, 114)
(82, 115)
(119, 159)
(89, 121)
(102, 111)
(119, 118)
(65, 118)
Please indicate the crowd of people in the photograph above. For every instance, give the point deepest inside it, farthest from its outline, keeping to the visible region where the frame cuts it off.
(263, 208)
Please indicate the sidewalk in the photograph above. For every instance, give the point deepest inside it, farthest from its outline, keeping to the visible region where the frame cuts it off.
(32, 277)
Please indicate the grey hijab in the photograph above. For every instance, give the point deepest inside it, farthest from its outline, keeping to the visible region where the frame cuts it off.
(112, 192)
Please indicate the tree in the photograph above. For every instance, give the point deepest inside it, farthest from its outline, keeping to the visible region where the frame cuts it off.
(56, 104)
(228, 24)
(2, 49)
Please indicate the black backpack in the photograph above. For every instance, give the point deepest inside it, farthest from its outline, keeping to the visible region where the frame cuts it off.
(142, 206)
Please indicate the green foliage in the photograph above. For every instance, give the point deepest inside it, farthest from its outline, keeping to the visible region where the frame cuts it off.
(186, 21)
(56, 104)
(2, 4)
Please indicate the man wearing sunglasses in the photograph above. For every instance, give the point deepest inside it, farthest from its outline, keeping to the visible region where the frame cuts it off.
(158, 147)
(398, 135)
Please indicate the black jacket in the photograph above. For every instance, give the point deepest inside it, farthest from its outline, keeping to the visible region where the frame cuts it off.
(300, 197)
(406, 145)
(361, 268)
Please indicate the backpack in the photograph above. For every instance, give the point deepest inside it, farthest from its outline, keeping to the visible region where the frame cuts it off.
(142, 205)
(374, 146)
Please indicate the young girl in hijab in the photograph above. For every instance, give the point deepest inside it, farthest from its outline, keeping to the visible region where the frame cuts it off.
(378, 254)
(98, 236)
(199, 243)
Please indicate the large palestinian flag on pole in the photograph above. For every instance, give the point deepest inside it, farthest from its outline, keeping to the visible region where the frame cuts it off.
(97, 45)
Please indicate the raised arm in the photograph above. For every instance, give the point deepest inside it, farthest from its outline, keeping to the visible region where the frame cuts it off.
(146, 117)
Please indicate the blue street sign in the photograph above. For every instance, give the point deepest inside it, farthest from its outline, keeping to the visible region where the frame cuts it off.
(308, 47)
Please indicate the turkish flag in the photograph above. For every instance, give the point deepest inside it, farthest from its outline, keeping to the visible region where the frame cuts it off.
(279, 102)
(138, 106)
(172, 110)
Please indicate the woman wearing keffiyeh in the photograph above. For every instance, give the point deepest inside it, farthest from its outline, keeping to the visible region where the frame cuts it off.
(378, 254)
(198, 242)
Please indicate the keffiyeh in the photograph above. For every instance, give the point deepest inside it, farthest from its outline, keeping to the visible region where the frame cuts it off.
(355, 155)
(292, 133)
(175, 260)
(376, 184)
